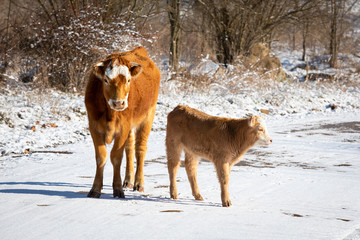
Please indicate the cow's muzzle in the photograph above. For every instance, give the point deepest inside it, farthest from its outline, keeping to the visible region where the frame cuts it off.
(118, 104)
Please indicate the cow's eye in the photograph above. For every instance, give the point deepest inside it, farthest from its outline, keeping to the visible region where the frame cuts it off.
(106, 80)
(128, 80)
(261, 129)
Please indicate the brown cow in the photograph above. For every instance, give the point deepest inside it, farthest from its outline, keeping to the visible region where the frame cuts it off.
(221, 140)
(120, 98)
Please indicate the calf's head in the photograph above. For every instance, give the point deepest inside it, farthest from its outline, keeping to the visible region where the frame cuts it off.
(116, 76)
(259, 131)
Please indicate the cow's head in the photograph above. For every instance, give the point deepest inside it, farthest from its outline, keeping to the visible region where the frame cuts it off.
(258, 126)
(116, 75)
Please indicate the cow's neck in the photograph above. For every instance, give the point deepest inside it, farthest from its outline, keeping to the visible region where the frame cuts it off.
(110, 115)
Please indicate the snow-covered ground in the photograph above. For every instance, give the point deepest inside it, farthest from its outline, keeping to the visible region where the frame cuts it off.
(304, 186)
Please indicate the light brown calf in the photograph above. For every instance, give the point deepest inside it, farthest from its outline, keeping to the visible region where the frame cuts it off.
(221, 140)
(120, 98)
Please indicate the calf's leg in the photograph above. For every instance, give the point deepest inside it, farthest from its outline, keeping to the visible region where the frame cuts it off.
(173, 152)
(223, 172)
(191, 164)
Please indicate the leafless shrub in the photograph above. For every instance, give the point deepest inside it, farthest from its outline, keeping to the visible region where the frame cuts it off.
(61, 55)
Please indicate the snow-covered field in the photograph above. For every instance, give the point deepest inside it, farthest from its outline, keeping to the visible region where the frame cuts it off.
(304, 186)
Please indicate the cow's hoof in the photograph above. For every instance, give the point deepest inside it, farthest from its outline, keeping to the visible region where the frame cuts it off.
(226, 203)
(118, 193)
(138, 188)
(128, 185)
(94, 194)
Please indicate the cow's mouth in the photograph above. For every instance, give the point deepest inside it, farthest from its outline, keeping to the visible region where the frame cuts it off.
(118, 109)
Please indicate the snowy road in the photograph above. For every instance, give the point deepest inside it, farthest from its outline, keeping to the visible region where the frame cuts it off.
(304, 186)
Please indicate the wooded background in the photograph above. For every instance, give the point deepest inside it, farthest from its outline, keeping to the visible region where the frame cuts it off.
(59, 41)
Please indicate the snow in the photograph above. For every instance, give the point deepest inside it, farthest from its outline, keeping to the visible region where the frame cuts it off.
(206, 67)
(303, 186)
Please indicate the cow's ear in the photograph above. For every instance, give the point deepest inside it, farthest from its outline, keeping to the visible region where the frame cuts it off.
(99, 68)
(253, 121)
(135, 70)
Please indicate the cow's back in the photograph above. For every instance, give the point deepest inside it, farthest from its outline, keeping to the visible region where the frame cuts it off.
(145, 88)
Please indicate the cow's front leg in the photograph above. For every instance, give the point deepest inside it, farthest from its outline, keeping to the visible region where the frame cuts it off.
(129, 149)
(100, 155)
(116, 158)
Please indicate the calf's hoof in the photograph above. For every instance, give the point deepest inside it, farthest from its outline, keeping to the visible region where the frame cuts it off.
(94, 194)
(174, 196)
(118, 193)
(198, 197)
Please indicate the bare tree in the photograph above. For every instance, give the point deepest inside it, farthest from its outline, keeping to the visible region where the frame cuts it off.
(335, 7)
(335, 16)
(237, 25)
(174, 7)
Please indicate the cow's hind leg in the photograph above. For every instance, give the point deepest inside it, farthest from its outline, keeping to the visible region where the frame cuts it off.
(141, 137)
(129, 149)
(191, 163)
(173, 152)
(100, 154)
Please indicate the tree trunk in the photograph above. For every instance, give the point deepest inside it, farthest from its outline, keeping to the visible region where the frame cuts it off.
(334, 45)
(304, 43)
(174, 18)
(224, 49)
(293, 40)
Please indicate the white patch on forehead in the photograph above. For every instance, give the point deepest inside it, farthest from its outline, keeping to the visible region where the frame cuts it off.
(261, 122)
(116, 70)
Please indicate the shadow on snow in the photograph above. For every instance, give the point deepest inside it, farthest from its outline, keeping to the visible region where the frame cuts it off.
(129, 194)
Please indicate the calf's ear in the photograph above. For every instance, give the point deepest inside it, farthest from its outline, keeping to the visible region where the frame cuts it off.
(135, 70)
(253, 121)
